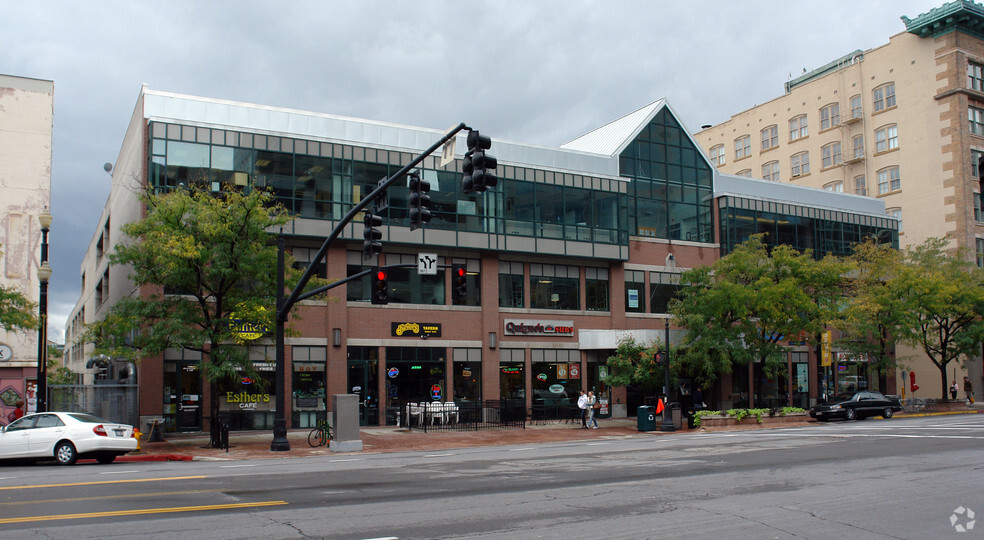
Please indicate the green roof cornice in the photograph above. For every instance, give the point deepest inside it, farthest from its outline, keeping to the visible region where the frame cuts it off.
(961, 15)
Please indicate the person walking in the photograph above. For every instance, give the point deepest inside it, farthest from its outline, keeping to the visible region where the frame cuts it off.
(969, 390)
(953, 391)
(582, 404)
(593, 407)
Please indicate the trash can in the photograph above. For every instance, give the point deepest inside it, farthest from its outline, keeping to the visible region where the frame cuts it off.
(676, 415)
(646, 418)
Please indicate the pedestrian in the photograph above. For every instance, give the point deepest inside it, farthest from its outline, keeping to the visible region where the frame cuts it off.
(582, 404)
(953, 390)
(969, 390)
(593, 407)
(17, 412)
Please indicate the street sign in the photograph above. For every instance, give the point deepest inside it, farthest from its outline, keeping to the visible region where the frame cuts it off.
(427, 264)
(447, 151)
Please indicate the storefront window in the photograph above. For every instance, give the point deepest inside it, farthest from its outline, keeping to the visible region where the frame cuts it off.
(512, 378)
(363, 380)
(308, 385)
(182, 390)
(249, 402)
(467, 374)
(800, 380)
(555, 388)
(413, 375)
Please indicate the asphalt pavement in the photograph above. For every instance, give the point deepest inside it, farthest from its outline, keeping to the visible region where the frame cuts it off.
(256, 444)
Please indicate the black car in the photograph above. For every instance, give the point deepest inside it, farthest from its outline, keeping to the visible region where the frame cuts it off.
(856, 406)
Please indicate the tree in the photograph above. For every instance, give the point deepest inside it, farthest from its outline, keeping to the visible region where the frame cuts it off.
(17, 312)
(57, 373)
(634, 364)
(872, 313)
(939, 299)
(207, 261)
(746, 305)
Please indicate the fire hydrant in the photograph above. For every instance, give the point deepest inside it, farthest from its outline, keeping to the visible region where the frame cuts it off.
(136, 435)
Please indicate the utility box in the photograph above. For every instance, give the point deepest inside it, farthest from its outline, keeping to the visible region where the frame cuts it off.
(345, 423)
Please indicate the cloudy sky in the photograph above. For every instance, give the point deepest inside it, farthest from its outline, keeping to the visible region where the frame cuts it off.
(533, 72)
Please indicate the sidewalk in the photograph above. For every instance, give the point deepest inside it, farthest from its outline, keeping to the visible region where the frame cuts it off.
(256, 444)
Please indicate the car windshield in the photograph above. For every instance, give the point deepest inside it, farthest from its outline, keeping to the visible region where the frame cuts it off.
(844, 397)
(84, 417)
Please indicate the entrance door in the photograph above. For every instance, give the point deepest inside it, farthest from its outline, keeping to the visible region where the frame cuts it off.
(182, 396)
(363, 381)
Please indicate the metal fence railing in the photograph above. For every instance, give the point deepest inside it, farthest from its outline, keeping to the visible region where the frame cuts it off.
(112, 402)
(463, 416)
(554, 414)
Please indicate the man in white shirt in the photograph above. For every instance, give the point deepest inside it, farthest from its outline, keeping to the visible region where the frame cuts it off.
(582, 403)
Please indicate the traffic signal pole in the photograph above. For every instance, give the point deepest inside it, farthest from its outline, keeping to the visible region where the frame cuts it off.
(284, 305)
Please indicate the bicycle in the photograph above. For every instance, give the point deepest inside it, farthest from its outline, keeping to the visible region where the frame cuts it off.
(320, 435)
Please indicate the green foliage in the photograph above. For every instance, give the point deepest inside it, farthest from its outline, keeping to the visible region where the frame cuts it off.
(633, 364)
(925, 297)
(701, 414)
(790, 410)
(17, 311)
(744, 307)
(217, 251)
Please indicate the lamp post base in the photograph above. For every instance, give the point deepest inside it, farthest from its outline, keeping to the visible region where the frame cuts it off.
(280, 442)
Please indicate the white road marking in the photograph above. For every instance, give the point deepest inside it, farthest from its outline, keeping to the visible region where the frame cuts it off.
(118, 472)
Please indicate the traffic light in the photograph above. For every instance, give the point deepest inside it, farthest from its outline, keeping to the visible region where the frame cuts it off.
(459, 281)
(658, 357)
(478, 166)
(380, 287)
(420, 201)
(372, 244)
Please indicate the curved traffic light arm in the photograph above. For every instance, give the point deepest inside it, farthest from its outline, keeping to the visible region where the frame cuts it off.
(288, 303)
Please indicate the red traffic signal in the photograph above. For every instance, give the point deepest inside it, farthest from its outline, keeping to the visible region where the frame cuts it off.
(380, 287)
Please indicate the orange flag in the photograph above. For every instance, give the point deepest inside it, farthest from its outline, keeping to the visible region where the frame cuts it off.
(659, 406)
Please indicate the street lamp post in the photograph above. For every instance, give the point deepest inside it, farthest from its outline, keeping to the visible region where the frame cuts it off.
(667, 424)
(44, 274)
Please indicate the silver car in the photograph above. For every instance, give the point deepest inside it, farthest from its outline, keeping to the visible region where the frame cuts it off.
(65, 437)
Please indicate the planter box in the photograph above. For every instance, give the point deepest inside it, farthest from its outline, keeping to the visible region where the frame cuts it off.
(722, 423)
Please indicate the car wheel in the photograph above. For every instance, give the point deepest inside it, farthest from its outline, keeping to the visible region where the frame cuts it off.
(65, 453)
(849, 414)
(887, 413)
(106, 459)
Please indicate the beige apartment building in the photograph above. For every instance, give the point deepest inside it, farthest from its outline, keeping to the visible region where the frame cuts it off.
(903, 122)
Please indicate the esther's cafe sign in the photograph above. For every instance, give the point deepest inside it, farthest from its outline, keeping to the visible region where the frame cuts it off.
(523, 327)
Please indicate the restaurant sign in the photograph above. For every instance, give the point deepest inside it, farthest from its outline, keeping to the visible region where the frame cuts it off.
(415, 329)
(521, 327)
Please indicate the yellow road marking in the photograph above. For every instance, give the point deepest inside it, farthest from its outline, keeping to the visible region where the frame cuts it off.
(104, 497)
(106, 482)
(117, 513)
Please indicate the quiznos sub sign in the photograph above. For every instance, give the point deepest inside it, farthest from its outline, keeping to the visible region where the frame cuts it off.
(524, 327)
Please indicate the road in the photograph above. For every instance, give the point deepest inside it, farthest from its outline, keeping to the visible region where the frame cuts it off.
(900, 478)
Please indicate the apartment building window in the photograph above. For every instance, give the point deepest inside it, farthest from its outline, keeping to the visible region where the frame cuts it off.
(884, 97)
(860, 186)
(511, 284)
(976, 117)
(889, 180)
(743, 147)
(856, 109)
(897, 214)
(830, 116)
(745, 172)
(978, 217)
(797, 128)
(975, 76)
(975, 159)
(554, 286)
(857, 142)
(831, 155)
(596, 289)
(837, 187)
(980, 252)
(800, 164)
(886, 138)
(770, 137)
(635, 289)
(717, 155)
(770, 171)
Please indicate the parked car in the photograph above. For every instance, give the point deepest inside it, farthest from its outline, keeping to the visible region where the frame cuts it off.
(856, 406)
(65, 437)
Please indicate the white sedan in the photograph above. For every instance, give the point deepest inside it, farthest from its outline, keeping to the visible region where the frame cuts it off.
(66, 437)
